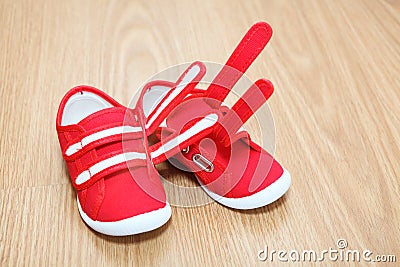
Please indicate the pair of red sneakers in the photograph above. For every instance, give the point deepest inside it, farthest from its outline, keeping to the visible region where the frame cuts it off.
(111, 162)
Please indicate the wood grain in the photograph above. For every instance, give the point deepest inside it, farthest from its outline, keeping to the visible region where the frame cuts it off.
(336, 69)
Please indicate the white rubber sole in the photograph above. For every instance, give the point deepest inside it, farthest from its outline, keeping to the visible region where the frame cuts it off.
(257, 200)
(130, 226)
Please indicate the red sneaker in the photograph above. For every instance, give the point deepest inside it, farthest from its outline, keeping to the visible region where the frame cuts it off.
(232, 169)
(118, 189)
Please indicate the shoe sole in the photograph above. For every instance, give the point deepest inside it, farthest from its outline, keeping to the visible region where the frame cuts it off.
(135, 225)
(257, 200)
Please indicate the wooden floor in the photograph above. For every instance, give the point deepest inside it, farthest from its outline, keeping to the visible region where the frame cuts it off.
(336, 70)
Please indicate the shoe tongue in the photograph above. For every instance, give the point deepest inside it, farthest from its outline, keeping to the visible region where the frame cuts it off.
(104, 117)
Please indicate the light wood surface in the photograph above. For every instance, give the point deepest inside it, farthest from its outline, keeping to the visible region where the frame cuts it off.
(336, 69)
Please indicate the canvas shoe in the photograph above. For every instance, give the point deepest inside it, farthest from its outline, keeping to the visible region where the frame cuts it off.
(118, 189)
(232, 169)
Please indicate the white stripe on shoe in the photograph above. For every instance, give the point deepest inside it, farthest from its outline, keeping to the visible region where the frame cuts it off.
(107, 163)
(72, 149)
(187, 79)
(198, 127)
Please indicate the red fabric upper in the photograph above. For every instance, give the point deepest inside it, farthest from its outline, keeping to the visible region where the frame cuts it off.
(241, 167)
(121, 191)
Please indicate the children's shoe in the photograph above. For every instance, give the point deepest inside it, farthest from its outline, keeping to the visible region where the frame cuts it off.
(119, 192)
(231, 168)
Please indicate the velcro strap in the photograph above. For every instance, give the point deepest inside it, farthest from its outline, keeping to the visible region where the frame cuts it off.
(243, 109)
(190, 134)
(185, 84)
(108, 165)
(245, 53)
(98, 137)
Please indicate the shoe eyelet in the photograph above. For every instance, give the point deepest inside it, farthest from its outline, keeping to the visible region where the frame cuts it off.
(203, 163)
(186, 150)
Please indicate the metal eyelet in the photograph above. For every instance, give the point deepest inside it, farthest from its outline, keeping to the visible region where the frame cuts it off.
(186, 150)
(203, 163)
